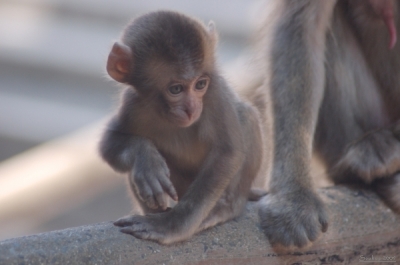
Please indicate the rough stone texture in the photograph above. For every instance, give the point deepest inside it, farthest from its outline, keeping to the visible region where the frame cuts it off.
(360, 226)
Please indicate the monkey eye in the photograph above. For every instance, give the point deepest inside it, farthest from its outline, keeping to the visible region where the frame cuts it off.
(175, 89)
(201, 84)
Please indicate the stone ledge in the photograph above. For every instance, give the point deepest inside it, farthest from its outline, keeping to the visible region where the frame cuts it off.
(360, 226)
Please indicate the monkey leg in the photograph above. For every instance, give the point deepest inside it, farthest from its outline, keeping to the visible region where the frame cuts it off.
(389, 190)
(348, 137)
(225, 210)
(373, 156)
(374, 159)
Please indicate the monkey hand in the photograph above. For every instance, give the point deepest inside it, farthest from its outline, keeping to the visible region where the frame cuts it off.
(150, 178)
(375, 155)
(161, 227)
(294, 219)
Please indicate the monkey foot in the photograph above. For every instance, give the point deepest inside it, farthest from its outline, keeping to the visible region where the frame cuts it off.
(374, 156)
(153, 227)
(388, 189)
(293, 220)
(138, 226)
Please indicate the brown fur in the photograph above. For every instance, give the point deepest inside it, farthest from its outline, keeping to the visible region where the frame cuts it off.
(334, 88)
(208, 162)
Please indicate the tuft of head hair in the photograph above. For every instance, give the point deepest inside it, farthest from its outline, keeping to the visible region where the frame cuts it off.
(171, 36)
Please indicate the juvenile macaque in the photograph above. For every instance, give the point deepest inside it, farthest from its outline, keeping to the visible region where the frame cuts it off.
(333, 71)
(180, 132)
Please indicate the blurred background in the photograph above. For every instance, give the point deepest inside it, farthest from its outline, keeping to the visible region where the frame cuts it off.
(55, 97)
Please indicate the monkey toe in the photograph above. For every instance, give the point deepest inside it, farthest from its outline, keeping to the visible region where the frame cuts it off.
(313, 231)
(292, 235)
(143, 227)
(300, 238)
(138, 232)
(323, 220)
(144, 231)
(131, 220)
(124, 221)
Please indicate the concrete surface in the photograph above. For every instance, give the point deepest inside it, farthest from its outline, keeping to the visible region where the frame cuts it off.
(361, 228)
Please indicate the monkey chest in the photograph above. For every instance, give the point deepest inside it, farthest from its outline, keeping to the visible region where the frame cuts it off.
(184, 156)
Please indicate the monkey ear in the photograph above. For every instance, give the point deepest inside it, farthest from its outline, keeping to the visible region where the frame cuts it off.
(119, 62)
(213, 31)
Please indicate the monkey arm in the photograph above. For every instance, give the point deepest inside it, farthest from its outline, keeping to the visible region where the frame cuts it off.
(118, 149)
(232, 202)
(182, 221)
(297, 82)
(293, 213)
(149, 174)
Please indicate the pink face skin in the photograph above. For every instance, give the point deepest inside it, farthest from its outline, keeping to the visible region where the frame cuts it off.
(384, 9)
(185, 100)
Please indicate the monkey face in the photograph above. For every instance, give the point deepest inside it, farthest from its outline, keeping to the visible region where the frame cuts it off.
(167, 58)
(185, 100)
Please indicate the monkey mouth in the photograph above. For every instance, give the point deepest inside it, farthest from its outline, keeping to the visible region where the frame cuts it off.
(183, 123)
(184, 120)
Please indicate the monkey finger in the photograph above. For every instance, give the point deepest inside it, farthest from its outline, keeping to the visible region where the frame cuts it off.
(169, 188)
(312, 231)
(151, 202)
(323, 220)
(300, 238)
(162, 200)
(159, 196)
(146, 194)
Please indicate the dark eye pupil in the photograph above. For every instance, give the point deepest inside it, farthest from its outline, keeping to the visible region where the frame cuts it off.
(201, 84)
(175, 89)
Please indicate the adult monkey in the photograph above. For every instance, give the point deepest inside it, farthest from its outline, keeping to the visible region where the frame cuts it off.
(332, 74)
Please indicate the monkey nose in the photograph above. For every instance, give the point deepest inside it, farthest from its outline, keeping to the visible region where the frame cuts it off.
(189, 113)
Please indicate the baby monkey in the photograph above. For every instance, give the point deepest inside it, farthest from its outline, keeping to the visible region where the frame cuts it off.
(181, 131)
